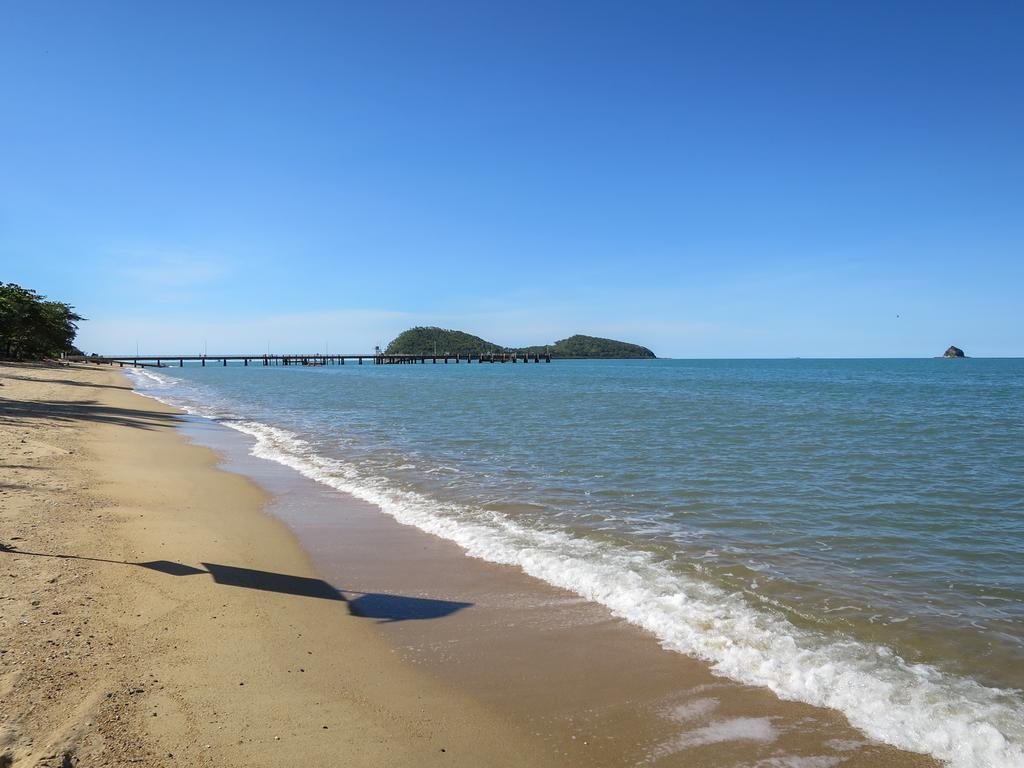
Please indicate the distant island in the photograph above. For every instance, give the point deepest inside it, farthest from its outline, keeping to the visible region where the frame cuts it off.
(953, 352)
(432, 340)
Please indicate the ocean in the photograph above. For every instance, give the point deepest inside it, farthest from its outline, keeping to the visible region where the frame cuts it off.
(847, 533)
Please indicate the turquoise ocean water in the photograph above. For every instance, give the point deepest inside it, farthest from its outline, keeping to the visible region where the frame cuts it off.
(849, 533)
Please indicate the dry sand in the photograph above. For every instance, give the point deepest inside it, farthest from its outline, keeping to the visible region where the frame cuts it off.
(118, 648)
(200, 630)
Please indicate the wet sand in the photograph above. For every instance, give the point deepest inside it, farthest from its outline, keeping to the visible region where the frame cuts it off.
(417, 647)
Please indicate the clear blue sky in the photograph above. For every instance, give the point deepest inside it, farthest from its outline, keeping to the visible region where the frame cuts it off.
(719, 179)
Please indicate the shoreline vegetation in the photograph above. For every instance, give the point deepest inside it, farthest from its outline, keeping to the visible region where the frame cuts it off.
(431, 340)
(33, 327)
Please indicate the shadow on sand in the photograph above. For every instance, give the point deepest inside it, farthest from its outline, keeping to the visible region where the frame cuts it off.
(385, 608)
(68, 382)
(19, 411)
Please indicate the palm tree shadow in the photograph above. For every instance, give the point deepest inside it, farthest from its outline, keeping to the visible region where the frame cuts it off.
(68, 382)
(385, 608)
(22, 413)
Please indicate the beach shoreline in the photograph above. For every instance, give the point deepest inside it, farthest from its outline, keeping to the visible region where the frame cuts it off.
(119, 647)
(530, 675)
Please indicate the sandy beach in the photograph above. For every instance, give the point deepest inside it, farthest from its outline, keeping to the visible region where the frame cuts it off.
(154, 612)
(119, 648)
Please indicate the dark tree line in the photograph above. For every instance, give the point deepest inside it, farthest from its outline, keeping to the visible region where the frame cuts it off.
(31, 326)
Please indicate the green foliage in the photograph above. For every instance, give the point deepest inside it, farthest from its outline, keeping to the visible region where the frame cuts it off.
(580, 346)
(32, 326)
(440, 341)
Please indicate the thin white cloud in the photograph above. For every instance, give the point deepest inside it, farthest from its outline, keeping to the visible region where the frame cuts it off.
(167, 269)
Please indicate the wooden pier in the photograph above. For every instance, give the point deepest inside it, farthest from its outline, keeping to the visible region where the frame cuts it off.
(316, 359)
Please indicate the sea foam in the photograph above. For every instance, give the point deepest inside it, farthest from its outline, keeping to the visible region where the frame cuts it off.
(911, 706)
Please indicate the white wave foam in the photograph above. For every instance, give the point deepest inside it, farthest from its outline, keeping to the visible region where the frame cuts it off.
(910, 706)
(733, 729)
(797, 761)
(147, 378)
(757, 729)
(692, 710)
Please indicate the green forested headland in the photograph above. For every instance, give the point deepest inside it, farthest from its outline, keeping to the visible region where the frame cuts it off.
(32, 326)
(592, 347)
(441, 341)
(429, 341)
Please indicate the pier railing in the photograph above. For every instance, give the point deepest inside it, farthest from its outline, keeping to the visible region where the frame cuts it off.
(315, 359)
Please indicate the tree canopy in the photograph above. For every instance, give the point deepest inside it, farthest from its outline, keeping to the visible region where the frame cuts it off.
(32, 326)
(592, 347)
(440, 341)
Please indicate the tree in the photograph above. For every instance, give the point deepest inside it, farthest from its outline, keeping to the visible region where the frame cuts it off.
(31, 326)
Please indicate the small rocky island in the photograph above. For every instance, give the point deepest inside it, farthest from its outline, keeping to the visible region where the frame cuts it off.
(954, 352)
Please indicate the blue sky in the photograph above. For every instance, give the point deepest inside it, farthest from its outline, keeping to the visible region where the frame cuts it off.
(719, 179)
